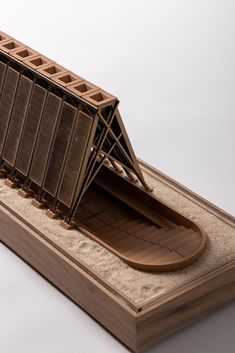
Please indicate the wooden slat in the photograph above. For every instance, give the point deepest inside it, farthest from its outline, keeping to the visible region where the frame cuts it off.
(106, 218)
(126, 242)
(164, 234)
(74, 160)
(59, 148)
(92, 207)
(134, 251)
(171, 257)
(191, 238)
(123, 221)
(83, 213)
(176, 237)
(3, 69)
(139, 253)
(106, 230)
(6, 102)
(150, 249)
(138, 227)
(107, 203)
(96, 223)
(17, 120)
(189, 248)
(29, 134)
(129, 225)
(144, 232)
(119, 238)
(154, 255)
(151, 236)
(45, 137)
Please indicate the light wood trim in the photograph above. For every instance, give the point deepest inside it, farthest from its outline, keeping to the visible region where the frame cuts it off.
(185, 305)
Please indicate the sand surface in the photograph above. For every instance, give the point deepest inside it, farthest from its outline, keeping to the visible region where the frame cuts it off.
(138, 286)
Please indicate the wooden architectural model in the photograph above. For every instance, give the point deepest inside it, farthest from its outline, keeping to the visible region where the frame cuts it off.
(63, 142)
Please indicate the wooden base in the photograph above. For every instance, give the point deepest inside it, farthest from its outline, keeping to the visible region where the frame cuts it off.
(23, 193)
(51, 214)
(38, 204)
(137, 327)
(11, 184)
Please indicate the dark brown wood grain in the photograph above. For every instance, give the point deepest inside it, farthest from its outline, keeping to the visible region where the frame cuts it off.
(3, 68)
(6, 102)
(29, 134)
(135, 238)
(20, 106)
(44, 139)
(59, 148)
(74, 160)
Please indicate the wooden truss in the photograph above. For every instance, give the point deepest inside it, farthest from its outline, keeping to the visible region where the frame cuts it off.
(100, 139)
(109, 145)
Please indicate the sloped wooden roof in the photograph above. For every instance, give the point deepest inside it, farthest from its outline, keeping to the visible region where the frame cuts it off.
(95, 132)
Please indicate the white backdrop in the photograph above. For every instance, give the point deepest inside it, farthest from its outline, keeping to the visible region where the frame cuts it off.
(172, 65)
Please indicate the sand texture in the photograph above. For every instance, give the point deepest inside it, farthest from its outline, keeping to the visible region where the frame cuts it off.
(138, 286)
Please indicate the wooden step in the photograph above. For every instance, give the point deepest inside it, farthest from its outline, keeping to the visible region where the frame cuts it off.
(173, 237)
(140, 252)
(131, 247)
(165, 234)
(138, 227)
(122, 221)
(154, 253)
(124, 240)
(189, 248)
(144, 232)
(131, 253)
(190, 238)
(129, 225)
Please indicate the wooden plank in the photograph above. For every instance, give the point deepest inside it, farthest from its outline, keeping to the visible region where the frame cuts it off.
(59, 148)
(6, 102)
(144, 232)
(45, 137)
(74, 160)
(152, 248)
(187, 248)
(17, 120)
(3, 69)
(29, 135)
(152, 235)
(138, 227)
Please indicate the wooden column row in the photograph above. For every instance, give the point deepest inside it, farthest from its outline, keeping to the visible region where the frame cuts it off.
(41, 135)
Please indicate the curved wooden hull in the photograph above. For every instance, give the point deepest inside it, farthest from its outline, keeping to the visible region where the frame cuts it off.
(135, 226)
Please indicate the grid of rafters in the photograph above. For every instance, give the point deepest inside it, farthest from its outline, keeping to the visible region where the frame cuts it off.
(111, 147)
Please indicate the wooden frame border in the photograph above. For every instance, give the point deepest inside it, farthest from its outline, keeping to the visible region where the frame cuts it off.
(137, 327)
